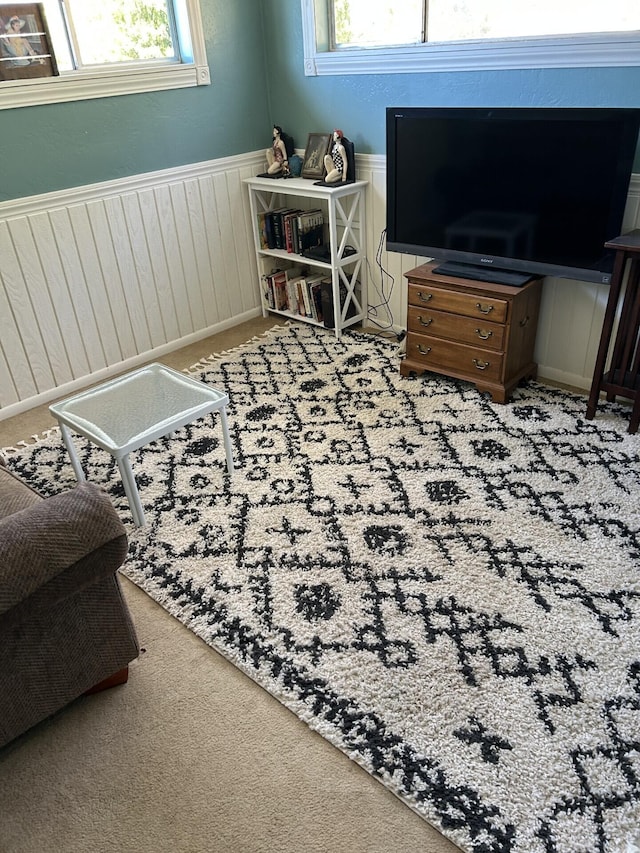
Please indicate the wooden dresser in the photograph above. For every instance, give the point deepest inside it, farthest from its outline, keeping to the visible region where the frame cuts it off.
(481, 332)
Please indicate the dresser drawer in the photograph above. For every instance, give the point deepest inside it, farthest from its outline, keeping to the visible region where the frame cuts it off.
(455, 302)
(469, 362)
(466, 330)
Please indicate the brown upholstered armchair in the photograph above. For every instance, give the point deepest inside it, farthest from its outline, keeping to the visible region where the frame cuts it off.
(64, 626)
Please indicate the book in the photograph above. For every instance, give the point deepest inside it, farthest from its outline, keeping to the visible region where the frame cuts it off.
(267, 271)
(287, 221)
(311, 237)
(316, 297)
(294, 274)
(310, 218)
(267, 292)
(294, 235)
(306, 221)
(279, 284)
(273, 227)
(312, 282)
(278, 226)
(328, 305)
(268, 229)
(303, 298)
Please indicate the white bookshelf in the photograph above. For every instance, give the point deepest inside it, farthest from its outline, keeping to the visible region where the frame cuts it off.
(343, 207)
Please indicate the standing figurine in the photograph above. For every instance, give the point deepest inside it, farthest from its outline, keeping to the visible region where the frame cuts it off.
(278, 155)
(336, 162)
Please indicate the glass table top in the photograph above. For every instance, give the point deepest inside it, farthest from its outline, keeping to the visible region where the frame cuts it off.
(139, 407)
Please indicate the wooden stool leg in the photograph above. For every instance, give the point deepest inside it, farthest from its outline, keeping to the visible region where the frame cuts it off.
(605, 336)
(634, 423)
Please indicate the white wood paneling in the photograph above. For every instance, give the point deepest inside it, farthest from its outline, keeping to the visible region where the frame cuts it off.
(111, 281)
(99, 293)
(80, 288)
(36, 374)
(159, 271)
(97, 279)
(55, 365)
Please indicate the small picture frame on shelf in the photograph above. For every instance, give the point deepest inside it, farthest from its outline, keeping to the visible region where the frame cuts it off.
(314, 154)
(25, 43)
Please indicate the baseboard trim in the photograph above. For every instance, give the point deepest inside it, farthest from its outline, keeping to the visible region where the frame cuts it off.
(563, 379)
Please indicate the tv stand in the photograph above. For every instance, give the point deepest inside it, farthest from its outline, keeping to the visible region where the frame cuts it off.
(482, 332)
(479, 273)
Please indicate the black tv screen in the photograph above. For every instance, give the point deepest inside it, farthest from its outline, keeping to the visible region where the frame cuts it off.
(537, 191)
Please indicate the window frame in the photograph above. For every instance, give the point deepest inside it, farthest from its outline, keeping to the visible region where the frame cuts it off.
(126, 79)
(575, 51)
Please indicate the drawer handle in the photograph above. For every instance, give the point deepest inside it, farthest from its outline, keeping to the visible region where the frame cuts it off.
(425, 297)
(484, 335)
(484, 309)
(524, 321)
(426, 322)
(424, 350)
(481, 365)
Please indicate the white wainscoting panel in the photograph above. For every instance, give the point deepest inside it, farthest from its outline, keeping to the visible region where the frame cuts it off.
(95, 280)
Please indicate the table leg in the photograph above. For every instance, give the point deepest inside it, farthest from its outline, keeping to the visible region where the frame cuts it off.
(131, 490)
(227, 440)
(73, 456)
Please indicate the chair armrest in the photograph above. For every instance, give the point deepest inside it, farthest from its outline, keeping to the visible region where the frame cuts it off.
(39, 543)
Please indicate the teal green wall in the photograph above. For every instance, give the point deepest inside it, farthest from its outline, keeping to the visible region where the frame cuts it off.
(357, 103)
(56, 146)
(53, 147)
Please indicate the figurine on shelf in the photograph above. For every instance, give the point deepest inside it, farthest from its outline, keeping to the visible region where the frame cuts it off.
(340, 162)
(336, 161)
(278, 155)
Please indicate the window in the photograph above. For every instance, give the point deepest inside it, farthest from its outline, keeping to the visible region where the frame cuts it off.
(106, 47)
(378, 36)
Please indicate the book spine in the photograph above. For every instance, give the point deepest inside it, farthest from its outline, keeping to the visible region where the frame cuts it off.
(278, 235)
(288, 230)
(287, 234)
(292, 288)
(295, 235)
(280, 292)
(267, 291)
(305, 299)
(312, 237)
(316, 293)
(302, 305)
(268, 221)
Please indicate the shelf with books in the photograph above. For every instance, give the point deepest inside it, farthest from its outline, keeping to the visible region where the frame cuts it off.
(311, 233)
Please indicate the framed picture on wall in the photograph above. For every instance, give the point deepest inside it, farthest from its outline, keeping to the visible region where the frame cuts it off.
(25, 44)
(317, 147)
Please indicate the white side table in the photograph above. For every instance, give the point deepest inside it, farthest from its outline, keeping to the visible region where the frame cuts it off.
(126, 413)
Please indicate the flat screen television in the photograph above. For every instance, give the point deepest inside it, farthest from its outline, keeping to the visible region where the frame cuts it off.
(505, 194)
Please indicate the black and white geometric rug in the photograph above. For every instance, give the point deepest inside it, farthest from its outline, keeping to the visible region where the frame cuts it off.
(445, 588)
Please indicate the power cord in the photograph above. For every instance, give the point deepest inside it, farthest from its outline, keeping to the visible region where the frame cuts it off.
(385, 299)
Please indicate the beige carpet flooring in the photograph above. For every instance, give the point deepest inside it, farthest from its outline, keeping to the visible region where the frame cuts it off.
(190, 756)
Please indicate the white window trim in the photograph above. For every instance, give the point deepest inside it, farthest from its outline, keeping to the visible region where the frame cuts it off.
(87, 84)
(588, 51)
